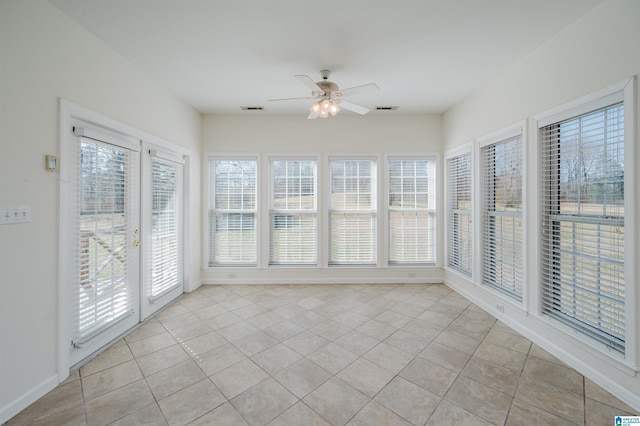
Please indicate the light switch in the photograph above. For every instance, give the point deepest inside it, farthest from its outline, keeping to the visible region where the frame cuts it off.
(15, 214)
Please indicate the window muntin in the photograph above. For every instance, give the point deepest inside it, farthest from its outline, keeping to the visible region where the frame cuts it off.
(411, 211)
(501, 168)
(232, 212)
(352, 212)
(459, 210)
(583, 271)
(292, 218)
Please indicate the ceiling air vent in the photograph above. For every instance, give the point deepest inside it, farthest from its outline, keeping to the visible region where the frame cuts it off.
(252, 108)
(387, 108)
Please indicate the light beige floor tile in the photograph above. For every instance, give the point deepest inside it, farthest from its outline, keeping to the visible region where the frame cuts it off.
(149, 328)
(151, 344)
(263, 402)
(177, 321)
(174, 378)
(289, 311)
(203, 344)
(234, 380)
(446, 309)
(597, 413)
(429, 376)
(522, 413)
(72, 377)
(171, 310)
(236, 331)
(501, 356)
(275, 358)
(235, 303)
(299, 414)
(595, 392)
(107, 380)
(538, 352)
(388, 357)
(422, 328)
(409, 308)
(159, 360)
(332, 357)
(71, 415)
(118, 403)
(407, 342)
(302, 377)
(249, 311)
(449, 413)
(437, 319)
(376, 414)
(64, 398)
(469, 328)
(111, 357)
(407, 400)
(458, 341)
(356, 342)
(306, 342)
(265, 320)
(493, 375)
(307, 319)
(350, 319)
(368, 310)
(283, 330)
(209, 311)
(255, 342)
(480, 400)
(393, 318)
(148, 416)
(311, 302)
(377, 329)
(336, 401)
(478, 315)
(191, 402)
(445, 356)
(330, 330)
(366, 376)
(223, 320)
(223, 415)
(508, 340)
(553, 374)
(219, 358)
(189, 331)
(557, 401)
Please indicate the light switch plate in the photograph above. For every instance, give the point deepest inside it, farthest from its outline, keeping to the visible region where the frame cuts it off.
(15, 214)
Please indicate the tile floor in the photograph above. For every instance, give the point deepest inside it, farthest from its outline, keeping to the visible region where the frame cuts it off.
(324, 354)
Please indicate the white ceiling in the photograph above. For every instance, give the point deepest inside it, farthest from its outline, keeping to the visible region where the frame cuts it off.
(425, 55)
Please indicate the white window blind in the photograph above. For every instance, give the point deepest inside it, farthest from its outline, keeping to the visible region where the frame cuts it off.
(352, 212)
(232, 212)
(459, 229)
(166, 252)
(103, 295)
(582, 216)
(411, 208)
(292, 218)
(501, 168)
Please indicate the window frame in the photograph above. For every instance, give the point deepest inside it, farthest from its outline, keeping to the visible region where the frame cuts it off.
(587, 104)
(269, 209)
(374, 210)
(463, 150)
(432, 211)
(492, 139)
(209, 210)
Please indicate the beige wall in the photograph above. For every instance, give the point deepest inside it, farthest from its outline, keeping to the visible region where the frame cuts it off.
(45, 56)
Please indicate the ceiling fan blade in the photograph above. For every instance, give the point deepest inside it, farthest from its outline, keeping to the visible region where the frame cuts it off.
(306, 80)
(353, 107)
(290, 99)
(359, 89)
(312, 116)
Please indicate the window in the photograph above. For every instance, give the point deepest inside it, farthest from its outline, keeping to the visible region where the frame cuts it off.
(501, 167)
(582, 221)
(352, 212)
(411, 210)
(292, 229)
(232, 212)
(459, 229)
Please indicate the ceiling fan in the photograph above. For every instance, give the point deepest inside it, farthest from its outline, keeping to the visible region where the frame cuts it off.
(329, 97)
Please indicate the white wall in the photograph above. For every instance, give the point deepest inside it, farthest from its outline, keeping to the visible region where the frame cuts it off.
(346, 133)
(596, 51)
(45, 56)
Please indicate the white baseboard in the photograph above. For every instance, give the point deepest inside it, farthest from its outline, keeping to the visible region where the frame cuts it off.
(10, 410)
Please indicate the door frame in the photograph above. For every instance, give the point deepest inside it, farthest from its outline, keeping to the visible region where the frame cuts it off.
(68, 113)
